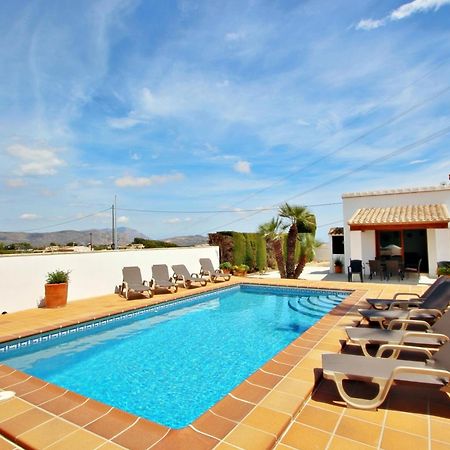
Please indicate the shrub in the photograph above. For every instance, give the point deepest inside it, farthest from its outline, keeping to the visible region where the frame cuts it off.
(226, 265)
(443, 269)
(241, 268)
(58, 277)
(338, 262)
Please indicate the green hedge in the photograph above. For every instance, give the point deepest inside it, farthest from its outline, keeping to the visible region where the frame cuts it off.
(249, 249)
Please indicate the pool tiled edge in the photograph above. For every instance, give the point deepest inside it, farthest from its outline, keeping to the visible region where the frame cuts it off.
(253, 415)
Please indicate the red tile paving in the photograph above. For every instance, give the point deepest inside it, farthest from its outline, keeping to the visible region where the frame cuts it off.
(272, 408)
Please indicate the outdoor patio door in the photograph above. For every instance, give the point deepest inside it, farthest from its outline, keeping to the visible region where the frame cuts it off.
(407, 245)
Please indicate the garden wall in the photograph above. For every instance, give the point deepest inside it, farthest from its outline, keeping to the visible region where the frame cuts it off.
(91, 274)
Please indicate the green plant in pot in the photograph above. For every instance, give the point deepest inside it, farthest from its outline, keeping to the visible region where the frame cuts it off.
(338, 264)
(226, 267)
(56, 288)
(240, 270)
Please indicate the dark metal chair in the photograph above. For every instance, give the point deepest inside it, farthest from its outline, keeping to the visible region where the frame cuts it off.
(375, 268)
(393, 268)
(411, 269)
(356, 267)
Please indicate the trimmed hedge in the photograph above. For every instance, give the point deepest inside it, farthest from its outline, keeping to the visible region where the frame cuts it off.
(247, 248)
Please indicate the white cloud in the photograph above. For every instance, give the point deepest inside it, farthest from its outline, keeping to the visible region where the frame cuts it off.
(15, 182)
(402, 12)
(29, 216)
(302, 122)
(242, 167)
(123, 123)
(123, 219)
(418, 161)
(370, 24)
(130, 181)
(234, 36)
(135, 156)
(417, 6)
(175, 220)
(35, 161)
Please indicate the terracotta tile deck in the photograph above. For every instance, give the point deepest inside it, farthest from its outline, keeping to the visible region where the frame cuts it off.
(273, 408)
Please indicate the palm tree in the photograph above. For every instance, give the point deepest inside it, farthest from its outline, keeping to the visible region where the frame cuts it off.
(307, 245)
(272, 233)
(301, 221)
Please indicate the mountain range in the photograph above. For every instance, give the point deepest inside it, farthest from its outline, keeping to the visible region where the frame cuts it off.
(125, 236)
(99, 237)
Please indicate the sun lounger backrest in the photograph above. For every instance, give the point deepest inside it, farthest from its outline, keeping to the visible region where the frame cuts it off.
(206, 265)
(442, 325)
(132, 274)
(180, 269)
(160, 272)
(439, 281)
(439, 298)
(441, 359)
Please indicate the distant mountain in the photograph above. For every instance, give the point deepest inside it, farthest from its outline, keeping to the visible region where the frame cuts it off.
(188, 241)
(99, 237)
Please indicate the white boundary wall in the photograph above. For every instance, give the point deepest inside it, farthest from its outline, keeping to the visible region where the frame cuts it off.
(91, 274)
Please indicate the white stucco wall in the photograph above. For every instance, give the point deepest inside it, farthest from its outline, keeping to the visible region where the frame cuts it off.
(91, 274)
(438, 241)
(419, 196)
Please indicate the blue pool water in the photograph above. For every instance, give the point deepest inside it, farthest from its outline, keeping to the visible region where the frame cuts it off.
(171, 363)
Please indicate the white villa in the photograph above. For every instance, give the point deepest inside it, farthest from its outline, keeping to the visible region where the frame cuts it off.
(410, 224)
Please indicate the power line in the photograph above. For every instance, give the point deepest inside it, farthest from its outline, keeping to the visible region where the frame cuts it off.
(385, 157)
(215, 211)
(358, 138)
(75, 219)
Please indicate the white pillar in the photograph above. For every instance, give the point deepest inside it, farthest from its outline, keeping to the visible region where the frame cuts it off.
(355, 245)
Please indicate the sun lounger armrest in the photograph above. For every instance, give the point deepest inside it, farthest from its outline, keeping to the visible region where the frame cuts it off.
(195, 275)
(407, 293)
(405, 304)
(439, 336)
(405, 322)
(433, 312)
(389, 347)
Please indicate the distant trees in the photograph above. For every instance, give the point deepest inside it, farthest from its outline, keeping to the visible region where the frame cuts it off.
(150, 243)
(16, 247)
(300, 241)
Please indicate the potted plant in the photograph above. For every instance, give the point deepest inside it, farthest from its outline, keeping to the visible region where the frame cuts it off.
(56, 288)
(226, 267)
(240, 270)
(338, 264)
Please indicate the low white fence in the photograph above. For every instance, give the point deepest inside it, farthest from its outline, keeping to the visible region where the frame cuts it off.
(91, 274)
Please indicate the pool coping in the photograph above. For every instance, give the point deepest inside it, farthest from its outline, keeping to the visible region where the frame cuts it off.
(252, 415)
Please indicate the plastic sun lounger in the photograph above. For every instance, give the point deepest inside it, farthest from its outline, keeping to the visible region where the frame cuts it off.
(384, 303)
(207, 270)
(434, 336)
(132, 281)
(161, 278)
(384, 372)
(430, 309)
(182, 274)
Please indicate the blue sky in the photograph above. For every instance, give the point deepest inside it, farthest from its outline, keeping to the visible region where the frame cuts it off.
(211, 106)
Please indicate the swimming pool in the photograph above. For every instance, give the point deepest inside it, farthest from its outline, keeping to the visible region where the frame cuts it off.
(171, 363)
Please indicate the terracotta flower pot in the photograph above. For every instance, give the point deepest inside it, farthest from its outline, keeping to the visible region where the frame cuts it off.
(56, 295)
(337, 269)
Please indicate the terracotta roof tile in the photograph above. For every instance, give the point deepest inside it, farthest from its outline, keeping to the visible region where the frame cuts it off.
(397, 215)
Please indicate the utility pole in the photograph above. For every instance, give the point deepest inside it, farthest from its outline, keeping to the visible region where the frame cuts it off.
(113, 228)
(115, 223)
